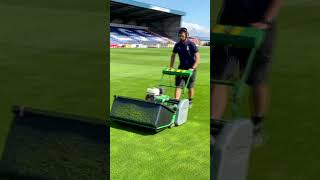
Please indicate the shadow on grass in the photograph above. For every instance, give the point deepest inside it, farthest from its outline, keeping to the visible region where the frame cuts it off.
(50, 145)
(133, 128)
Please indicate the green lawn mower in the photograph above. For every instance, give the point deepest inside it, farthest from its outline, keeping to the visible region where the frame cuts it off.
(158, 110)
(231, 140)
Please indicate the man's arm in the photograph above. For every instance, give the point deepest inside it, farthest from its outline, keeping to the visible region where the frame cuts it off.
(216, 10)
(173, 58)
(271, 13)
(273, 10)
(197, 56)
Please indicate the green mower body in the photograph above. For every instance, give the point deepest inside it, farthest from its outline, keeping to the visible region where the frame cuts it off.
(158, 110)
(242, 37)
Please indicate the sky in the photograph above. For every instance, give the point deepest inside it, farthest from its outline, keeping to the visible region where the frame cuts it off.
(197, 18)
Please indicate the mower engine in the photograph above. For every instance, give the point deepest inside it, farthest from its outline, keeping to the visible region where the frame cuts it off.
(154, 91)
(156, 95)
(181, 107)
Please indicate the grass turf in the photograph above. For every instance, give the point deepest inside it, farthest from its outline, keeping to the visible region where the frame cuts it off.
(55, 146)
(53, 57)
(178, 153)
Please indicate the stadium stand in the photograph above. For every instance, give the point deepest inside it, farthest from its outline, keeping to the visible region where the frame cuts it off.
(138, 24)
(135, 36)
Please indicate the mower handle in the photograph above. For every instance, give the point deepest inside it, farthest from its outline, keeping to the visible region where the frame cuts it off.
(177, 72)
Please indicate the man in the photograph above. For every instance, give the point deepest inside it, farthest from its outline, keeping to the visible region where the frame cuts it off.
(260, 14)
(189, 60)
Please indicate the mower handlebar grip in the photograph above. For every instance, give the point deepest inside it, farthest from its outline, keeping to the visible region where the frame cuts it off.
(177, 72)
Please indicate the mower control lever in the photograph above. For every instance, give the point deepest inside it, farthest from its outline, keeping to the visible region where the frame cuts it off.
(173, 101)
(216, 126)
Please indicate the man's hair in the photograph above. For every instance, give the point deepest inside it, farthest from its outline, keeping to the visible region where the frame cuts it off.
(184, 30)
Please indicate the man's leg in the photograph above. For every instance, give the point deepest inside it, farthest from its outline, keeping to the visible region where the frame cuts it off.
(190, 87)
(178, 93)
(191, 93)
(219, 100)
(258, 79)
(259, 100)
(179, 83)
(259, 88)
(259, 97)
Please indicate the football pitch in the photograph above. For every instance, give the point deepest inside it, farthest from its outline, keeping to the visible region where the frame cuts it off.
(174, 153)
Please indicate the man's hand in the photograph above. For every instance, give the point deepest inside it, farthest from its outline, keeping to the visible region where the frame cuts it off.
(260, 25)
(271, 13)
(191, 69)
(195, 65)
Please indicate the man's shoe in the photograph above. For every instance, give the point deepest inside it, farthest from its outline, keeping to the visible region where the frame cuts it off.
(190, 103)
(258, 132)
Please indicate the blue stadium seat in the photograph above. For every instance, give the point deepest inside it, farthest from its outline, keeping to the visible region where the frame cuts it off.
(125, 35)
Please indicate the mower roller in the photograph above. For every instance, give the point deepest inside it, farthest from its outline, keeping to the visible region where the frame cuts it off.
(231, 140)
(157, 110)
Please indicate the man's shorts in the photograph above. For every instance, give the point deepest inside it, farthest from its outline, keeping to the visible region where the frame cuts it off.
(181, 81)
(228, 62)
